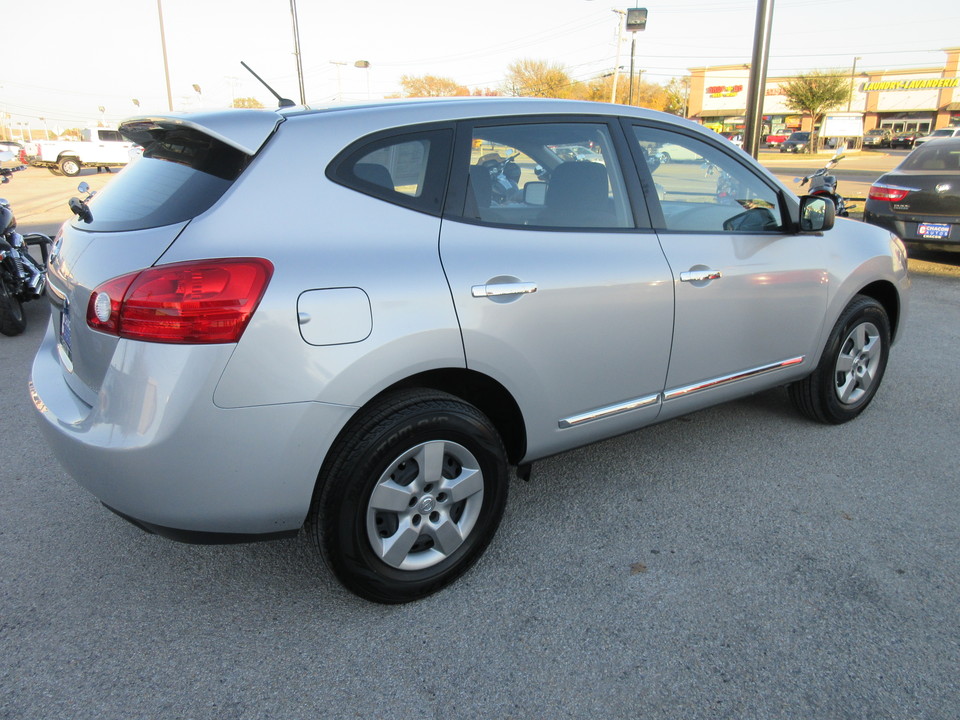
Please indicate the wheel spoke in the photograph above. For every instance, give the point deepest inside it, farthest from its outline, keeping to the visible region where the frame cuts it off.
(390, 497)
(430, 459)
(845, 390)
(469, 482)
(396, 548)
(447, 537)
(860, 337)
(845, 364)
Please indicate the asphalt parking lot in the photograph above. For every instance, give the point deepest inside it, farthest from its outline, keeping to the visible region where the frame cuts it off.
(737, 563)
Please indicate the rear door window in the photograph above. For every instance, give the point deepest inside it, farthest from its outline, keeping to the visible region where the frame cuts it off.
(562, 175)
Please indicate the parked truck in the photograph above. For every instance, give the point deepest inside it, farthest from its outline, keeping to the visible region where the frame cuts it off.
(99, 148)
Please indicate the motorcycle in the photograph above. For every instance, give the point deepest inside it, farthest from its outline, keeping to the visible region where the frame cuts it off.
(824, 184)
(22, 276)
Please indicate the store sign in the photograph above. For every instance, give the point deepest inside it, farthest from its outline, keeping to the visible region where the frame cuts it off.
(935, 84)
(716, 91)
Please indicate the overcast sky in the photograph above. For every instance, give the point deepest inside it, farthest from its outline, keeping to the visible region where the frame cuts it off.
(65, 59)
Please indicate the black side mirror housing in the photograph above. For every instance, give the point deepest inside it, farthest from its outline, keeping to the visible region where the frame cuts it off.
(817, 213)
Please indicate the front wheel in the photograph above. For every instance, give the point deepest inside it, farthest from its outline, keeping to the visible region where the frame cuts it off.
(410, 496)
(70, 166)
(12, 319)
(851, 367)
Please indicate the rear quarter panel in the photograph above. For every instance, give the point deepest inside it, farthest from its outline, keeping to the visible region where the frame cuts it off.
(321, 235)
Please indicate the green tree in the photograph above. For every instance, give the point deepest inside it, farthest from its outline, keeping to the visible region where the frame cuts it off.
(815, 94)
(247, 102)
(431, 86)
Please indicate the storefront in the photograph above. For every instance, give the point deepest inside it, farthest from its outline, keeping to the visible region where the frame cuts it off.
(920, 100)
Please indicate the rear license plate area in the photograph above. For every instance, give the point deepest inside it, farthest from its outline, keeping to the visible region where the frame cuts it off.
(938, 231)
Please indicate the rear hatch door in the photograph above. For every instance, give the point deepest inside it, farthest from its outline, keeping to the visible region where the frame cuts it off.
(188, 164)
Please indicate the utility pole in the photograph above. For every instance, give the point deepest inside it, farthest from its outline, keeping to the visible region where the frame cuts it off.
(853, 73)
(166, 65)
(296, 51)
(621, 15)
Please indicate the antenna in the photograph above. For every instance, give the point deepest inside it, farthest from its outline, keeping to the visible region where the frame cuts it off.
(284, 102)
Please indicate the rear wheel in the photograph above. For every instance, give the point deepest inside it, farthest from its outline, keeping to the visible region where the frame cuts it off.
(410, 496)
(12, 319)
(851, 367)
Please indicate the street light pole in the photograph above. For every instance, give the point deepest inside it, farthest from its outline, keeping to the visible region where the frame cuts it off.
(758, 77)
(636, 21)
(853, 73)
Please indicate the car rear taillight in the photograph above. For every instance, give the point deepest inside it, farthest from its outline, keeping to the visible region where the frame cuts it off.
(890, 193)
(197, 302)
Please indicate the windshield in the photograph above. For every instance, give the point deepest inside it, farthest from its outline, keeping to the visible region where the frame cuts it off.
(800, 136)
(182, 173)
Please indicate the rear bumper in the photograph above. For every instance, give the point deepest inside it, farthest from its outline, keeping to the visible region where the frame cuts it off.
(155, 449)
(906, 230)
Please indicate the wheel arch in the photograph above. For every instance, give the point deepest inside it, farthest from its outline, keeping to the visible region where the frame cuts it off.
(481, 391)
(885, 293)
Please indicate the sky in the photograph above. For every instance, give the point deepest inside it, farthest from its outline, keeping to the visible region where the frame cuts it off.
(64, 60)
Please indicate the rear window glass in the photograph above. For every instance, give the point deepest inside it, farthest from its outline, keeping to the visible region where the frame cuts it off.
(181, 174)
(938, 156)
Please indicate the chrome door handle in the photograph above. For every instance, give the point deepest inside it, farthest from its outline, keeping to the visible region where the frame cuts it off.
(501, 289)
(700, 275)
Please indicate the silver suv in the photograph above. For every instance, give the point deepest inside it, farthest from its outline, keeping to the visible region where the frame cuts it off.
(947, 132)
(359, 319)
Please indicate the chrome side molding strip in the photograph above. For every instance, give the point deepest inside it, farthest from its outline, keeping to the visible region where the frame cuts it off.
(726, 379)
(611, 410)
(608, 411)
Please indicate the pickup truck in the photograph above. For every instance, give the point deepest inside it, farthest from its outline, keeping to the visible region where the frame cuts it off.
(99, 148)
(775, 140)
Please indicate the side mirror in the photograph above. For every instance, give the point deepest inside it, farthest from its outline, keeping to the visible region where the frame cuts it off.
(83, 187)
(80, 209)
(817, 213)
(535, 193)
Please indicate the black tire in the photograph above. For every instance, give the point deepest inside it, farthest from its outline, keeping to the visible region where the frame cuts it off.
(851, 368)
(12, 319)
(389, 532)
(70, 166)
(55, 171)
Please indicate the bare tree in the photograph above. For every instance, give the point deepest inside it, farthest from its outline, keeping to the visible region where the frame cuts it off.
(431, 86)
(538, 78)
(247, 102)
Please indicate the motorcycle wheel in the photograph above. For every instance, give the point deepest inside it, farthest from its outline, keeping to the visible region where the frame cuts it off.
(12, 319)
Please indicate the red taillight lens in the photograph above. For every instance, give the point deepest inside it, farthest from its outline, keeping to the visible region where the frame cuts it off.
(207, 301)
(890, 193)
